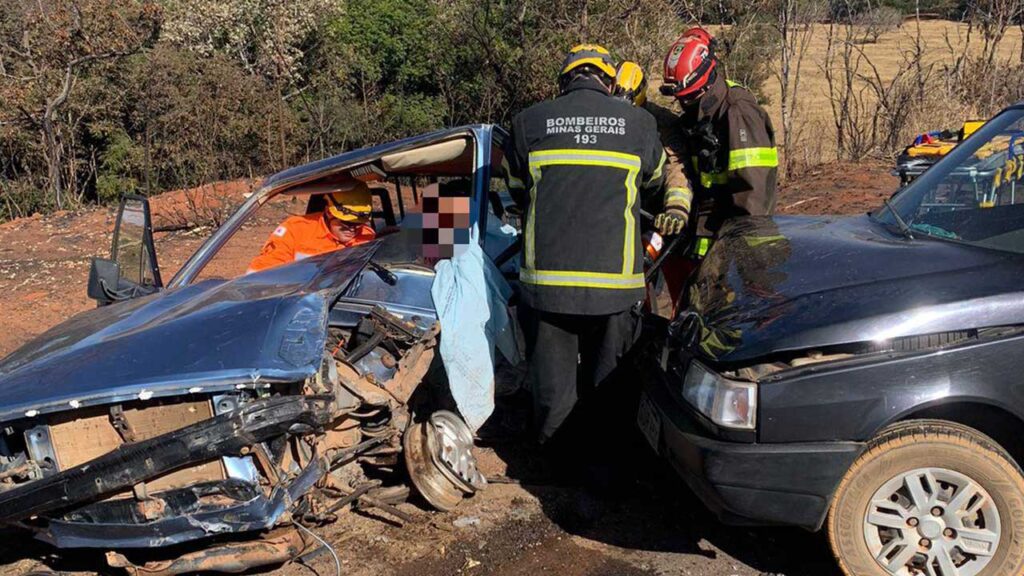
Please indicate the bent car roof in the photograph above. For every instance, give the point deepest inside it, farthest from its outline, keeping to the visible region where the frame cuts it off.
(319, 168)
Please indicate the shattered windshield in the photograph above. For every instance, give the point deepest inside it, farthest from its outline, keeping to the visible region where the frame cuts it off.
(972, 195)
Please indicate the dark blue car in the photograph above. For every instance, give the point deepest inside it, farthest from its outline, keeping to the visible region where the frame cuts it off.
(177, 412)
(864, 375)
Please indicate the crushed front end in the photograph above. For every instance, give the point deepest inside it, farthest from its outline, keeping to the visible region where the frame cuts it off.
(243, 465)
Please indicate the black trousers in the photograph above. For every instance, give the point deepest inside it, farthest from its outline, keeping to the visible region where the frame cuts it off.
(569, 355)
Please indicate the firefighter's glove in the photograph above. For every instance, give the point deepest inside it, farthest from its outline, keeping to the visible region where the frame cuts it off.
(672, 221)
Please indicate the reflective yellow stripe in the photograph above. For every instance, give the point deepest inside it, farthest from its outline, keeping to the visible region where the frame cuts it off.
(569, 155)
(581, 279)
(708, 179)
(739, 159)
(529, 254)
(703, 245)
(514, 182)
(755, 241)
(753, 158)
(680, 197)
(583, 157)
(629, 239)
(658, 170)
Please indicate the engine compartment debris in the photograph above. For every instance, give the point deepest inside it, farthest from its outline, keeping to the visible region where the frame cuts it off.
(145, 474)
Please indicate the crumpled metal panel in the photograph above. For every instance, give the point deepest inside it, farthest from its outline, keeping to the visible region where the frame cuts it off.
(257, 513)
(212, 336)
(789, 283)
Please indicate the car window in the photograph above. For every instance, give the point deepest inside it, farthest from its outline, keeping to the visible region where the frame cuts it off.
(504, 224)
(443, 173)
(974, 195)
(232, 260)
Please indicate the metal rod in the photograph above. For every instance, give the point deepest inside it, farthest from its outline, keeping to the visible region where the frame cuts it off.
(351, 451)
(369, 502)
(352, 497)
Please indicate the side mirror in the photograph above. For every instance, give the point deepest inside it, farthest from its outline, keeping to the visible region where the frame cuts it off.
(132, 268)
(103, 278)
(107, 285)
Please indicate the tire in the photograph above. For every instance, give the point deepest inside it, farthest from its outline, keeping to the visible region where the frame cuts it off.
(926, 462)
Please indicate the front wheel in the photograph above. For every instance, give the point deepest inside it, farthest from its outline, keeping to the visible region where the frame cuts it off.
(930, 498)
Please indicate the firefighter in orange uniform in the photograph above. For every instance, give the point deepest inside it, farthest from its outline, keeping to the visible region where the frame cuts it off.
(343, 223)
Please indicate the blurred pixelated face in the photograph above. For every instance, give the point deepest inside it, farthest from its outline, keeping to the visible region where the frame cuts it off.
(445, 225)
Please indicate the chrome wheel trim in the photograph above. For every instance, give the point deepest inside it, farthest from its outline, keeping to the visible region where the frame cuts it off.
(932, 522)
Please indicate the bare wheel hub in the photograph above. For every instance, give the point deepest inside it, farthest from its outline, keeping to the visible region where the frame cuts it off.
(932, 522)
(440, 461)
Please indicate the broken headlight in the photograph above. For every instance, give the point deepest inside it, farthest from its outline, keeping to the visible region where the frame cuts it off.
(728, 403)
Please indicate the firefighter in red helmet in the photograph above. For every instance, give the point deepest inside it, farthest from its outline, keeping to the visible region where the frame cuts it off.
(721, 148)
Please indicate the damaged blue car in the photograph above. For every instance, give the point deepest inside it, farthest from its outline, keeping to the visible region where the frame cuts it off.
(239, 408)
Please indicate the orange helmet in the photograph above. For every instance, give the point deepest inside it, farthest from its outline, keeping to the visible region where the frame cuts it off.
(690, 65)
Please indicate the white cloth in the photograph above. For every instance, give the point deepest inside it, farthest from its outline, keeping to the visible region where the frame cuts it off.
(471, 299)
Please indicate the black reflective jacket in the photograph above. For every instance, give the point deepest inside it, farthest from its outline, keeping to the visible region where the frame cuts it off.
(721, 156)
(579, 164)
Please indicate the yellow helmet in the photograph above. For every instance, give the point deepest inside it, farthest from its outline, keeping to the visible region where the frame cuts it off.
(630, 83)
(589, 54)
(352, 203)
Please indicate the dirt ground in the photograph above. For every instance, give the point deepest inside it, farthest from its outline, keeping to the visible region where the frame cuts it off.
(637, 519)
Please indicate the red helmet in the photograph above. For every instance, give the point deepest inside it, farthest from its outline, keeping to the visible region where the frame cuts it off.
(690, 64)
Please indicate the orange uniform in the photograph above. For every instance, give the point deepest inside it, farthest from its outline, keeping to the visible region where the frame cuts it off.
(300, 237)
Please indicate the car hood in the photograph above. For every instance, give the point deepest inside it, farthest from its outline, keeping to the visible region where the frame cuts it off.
(211, 336)
(788, 283)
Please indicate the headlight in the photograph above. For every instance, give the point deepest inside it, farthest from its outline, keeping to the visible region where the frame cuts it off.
(725, 402)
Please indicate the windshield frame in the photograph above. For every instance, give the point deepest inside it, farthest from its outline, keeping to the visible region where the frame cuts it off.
(482, 136)
(906, 200)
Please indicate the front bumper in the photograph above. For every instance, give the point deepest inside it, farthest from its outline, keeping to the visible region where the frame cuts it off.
(748, 483)
(67, 517)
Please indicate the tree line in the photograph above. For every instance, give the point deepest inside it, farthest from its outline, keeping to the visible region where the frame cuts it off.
(103, 97)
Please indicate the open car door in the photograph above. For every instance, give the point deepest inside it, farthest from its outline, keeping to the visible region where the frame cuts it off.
(132, 268)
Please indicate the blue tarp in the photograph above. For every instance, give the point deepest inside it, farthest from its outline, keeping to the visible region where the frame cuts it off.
(471, 300)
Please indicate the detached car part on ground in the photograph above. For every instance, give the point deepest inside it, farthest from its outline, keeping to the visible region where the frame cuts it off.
(238, 408)
(863, 374)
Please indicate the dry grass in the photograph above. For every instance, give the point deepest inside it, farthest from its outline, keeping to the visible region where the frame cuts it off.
(942, 40)
(813, 126)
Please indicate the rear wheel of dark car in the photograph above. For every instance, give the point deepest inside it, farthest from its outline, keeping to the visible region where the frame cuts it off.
(930, 498)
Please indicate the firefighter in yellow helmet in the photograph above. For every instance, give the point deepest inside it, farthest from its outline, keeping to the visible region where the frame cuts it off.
(343, 223)
(579, 167)
(630, 83)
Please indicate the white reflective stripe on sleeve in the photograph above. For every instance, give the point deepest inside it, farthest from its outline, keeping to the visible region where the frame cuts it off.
(679, 197)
